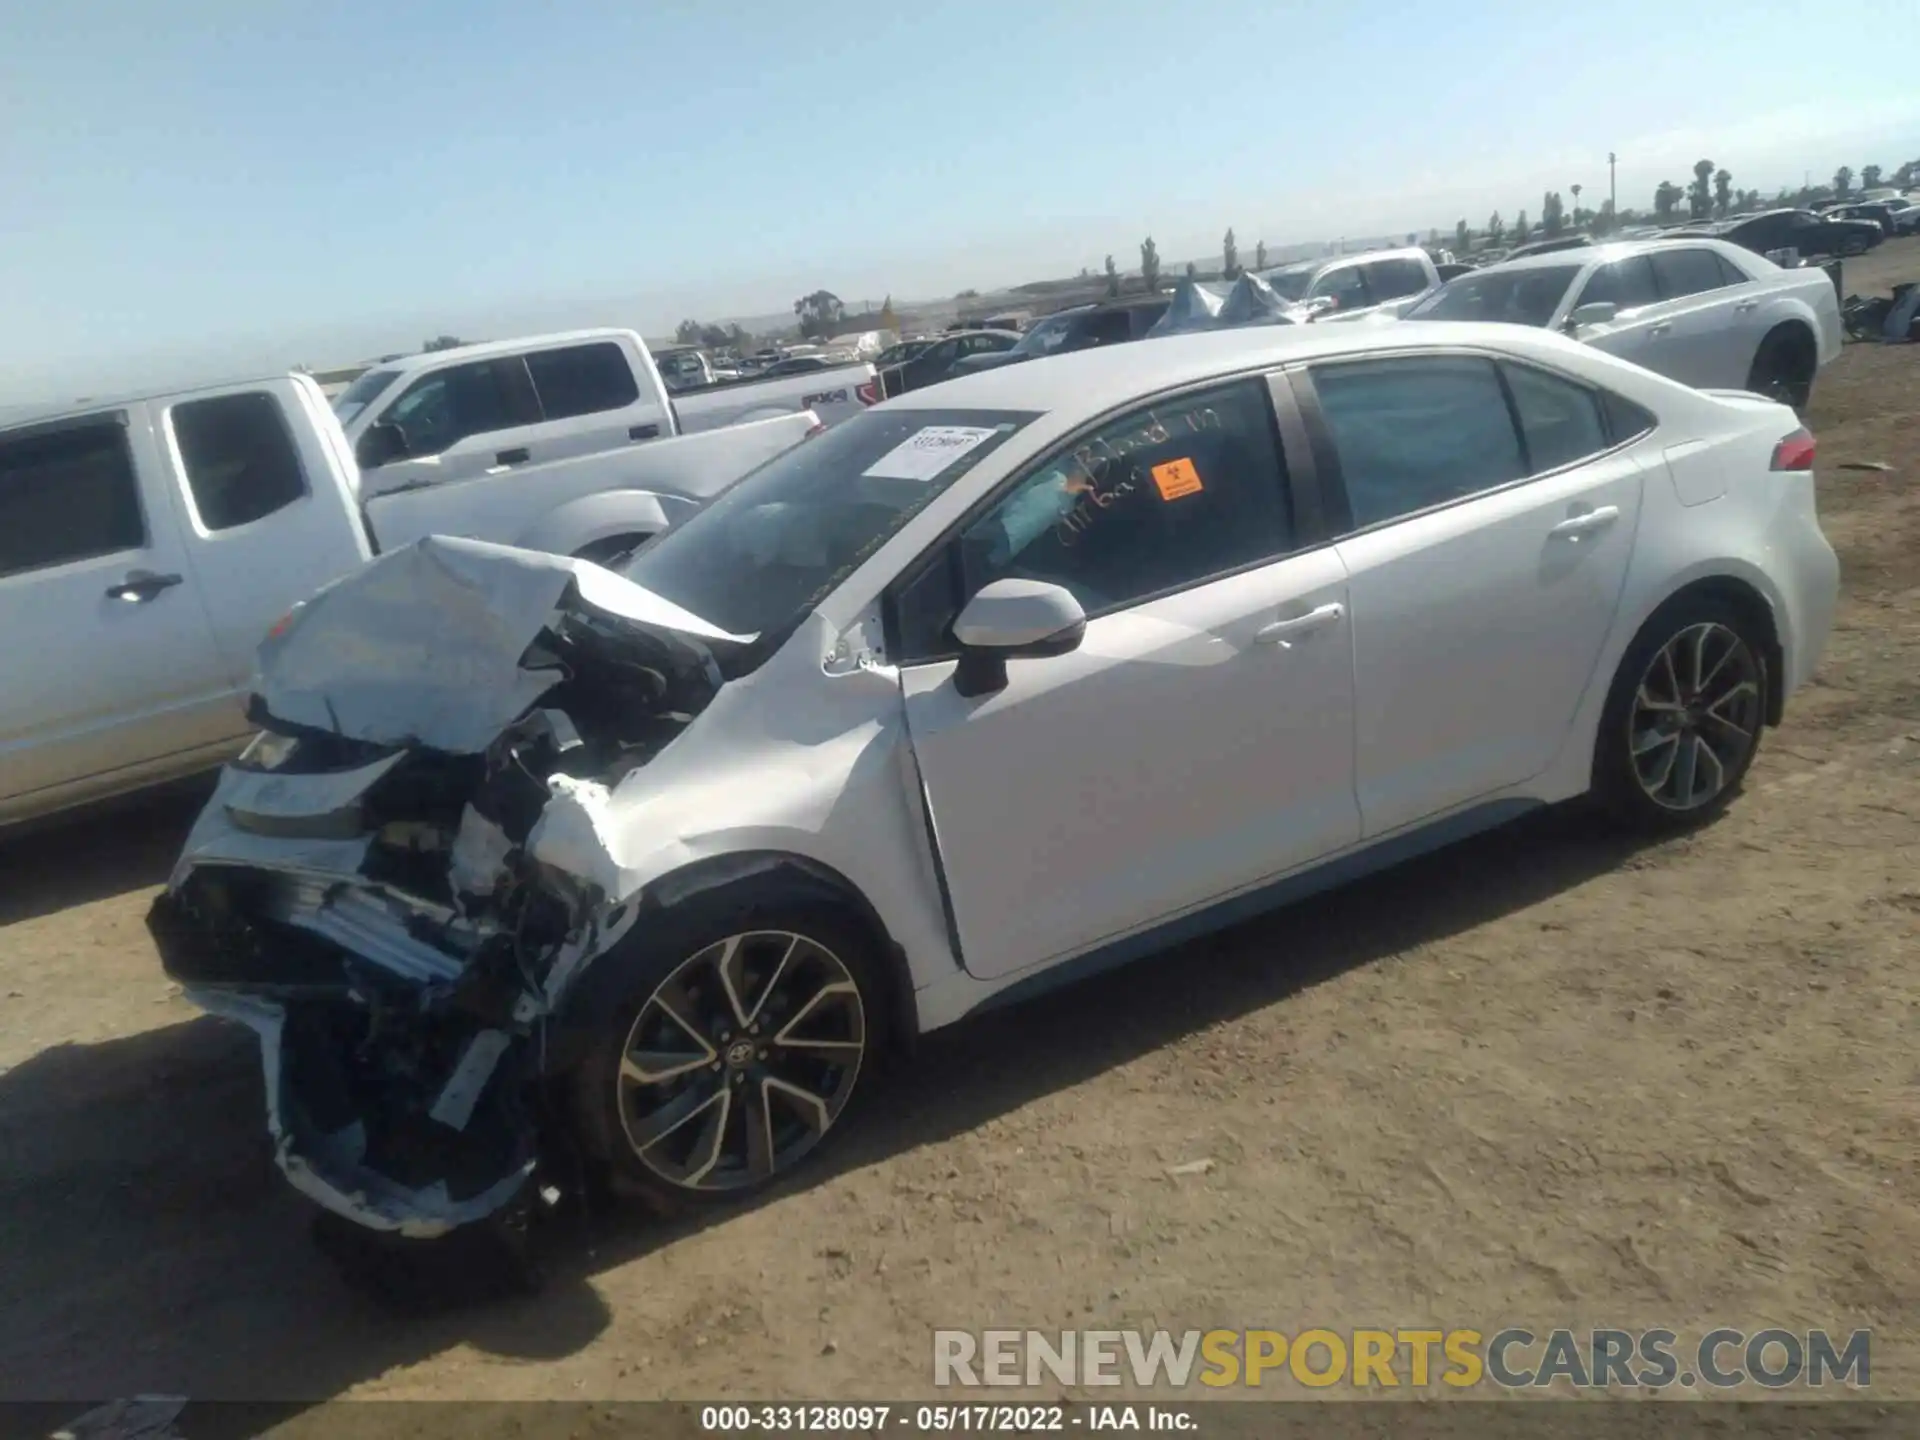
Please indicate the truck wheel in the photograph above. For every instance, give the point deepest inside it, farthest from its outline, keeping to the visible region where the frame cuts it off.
(610, 550)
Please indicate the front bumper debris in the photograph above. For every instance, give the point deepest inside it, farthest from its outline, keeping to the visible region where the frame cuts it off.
(373, 889)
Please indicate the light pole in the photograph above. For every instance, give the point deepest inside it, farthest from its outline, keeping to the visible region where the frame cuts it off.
(1613, 194)
(1576, 205)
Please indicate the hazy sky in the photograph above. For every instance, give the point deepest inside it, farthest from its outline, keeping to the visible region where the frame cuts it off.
(204, 186)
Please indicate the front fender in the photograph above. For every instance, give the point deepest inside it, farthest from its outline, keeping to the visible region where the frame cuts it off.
(568, 528)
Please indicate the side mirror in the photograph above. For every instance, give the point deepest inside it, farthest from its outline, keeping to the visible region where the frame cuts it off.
(1600, 312)
(381, 445)
(1013, 620)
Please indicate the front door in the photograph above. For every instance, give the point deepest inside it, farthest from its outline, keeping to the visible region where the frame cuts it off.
(110, 666)
(1199, 740)
(1485, 567)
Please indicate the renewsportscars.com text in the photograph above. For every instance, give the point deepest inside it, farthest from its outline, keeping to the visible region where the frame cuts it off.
(1513, 1358)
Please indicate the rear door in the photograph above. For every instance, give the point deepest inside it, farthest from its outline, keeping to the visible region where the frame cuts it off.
(1489, 513)
(111, 671)
(591, 402)
(269, 513)
(1708, 310)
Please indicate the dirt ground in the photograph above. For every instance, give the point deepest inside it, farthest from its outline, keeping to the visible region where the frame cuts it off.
(1541, 1079)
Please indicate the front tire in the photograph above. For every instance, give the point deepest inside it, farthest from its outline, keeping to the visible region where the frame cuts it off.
(1682, 722)
(739, 1047)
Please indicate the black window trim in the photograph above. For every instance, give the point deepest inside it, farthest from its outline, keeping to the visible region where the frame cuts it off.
(1333, 499)
(118, 418)
(1300, 490)
(186, 476)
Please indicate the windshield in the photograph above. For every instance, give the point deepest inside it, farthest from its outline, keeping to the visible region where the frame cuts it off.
(1289, 284)
(1045, 337)
(1527, 296)
(897, 354)
(362, 393)
(771, 547)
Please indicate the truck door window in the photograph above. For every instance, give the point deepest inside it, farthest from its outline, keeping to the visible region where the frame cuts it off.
(440, 410)
(67, 494)
(1348, 290)
(587, 379)
(238, 457)
(1110, 327)
(1394, 279)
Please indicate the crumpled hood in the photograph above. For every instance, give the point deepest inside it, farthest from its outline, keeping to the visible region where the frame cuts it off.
(424, 644)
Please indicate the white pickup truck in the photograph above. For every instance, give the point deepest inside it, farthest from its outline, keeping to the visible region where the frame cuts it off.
(147, 545)
(486, 409)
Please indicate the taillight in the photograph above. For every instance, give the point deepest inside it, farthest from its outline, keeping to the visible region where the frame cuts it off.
(871, 393)
(1795, 452)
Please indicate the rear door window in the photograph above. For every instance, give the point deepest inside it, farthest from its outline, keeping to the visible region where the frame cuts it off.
(1418, 432)
(67, 494)
(584, 380)
(1561, 421)
(239, 458)
(1687, 272)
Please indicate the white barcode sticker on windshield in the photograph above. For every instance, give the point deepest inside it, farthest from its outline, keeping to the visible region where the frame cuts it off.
(927, 452)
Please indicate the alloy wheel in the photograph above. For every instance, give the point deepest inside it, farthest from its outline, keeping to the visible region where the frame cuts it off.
(1695, 717)
(741, 1060)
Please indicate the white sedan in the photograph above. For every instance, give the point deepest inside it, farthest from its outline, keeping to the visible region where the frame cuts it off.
(1020, 674)
(1701, 311)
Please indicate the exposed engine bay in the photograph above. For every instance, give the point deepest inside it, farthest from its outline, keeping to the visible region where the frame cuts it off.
(366, 888)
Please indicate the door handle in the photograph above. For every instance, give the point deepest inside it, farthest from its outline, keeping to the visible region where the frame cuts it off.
(1575, 526)
(1283, 632)
(1661, 329)
(644, 432)
(141, 586)
(512, 457)
(1746, 305)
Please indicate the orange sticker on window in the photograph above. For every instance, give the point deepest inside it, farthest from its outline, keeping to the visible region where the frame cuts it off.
(1177, 478)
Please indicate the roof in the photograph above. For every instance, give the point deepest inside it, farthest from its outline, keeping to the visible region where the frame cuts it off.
(45, 412)
(1609, 251)
(1304, 267)
(1092, 381)
(492, 349)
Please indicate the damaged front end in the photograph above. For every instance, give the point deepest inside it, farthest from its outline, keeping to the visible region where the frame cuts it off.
(367, 888)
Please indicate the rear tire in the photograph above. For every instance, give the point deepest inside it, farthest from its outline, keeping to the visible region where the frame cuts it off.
(1683, 720)
(1783, 368)
(742, 1039)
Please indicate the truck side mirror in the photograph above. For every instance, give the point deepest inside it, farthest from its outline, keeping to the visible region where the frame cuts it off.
(382, 444)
